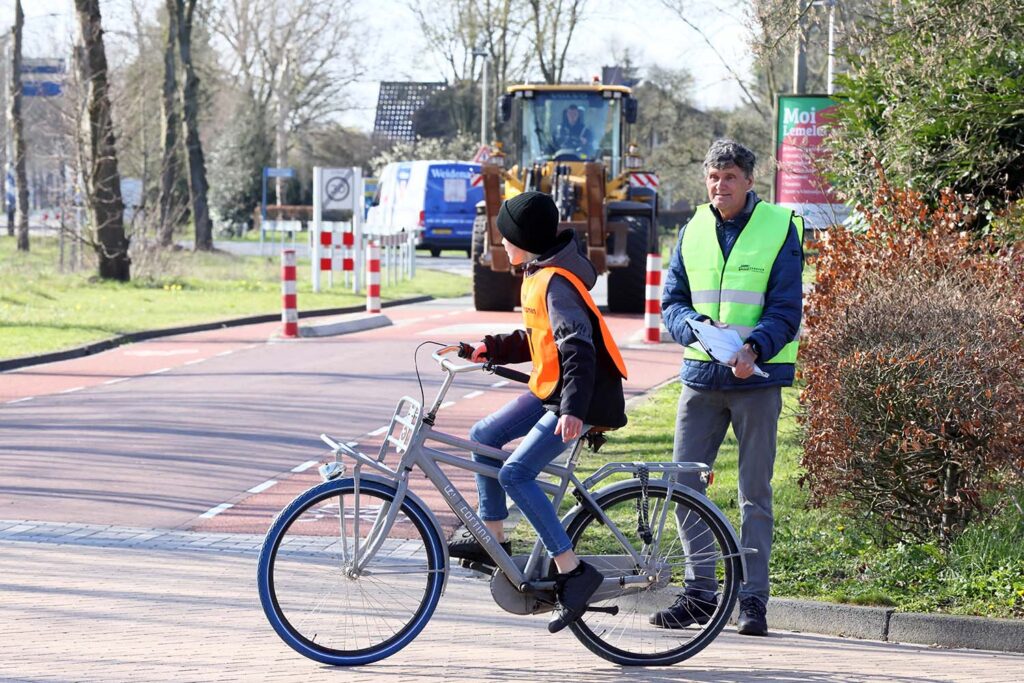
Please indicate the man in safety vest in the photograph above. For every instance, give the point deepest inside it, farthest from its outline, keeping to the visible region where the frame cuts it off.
(737, 264)
(576, 384)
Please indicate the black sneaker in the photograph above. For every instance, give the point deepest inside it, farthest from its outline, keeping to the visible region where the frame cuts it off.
(574, 591)
(688, 609)
(462, 545)
(752, 621)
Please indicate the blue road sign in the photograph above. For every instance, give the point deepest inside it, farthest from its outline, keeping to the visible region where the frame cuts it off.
(272, 172)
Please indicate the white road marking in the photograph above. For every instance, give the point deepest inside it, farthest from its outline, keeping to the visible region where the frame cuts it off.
(117, 380)
(157, 372)
(351, 444)
(193, 362)
(447, 404)
(22, 400)
(378, 431)
(213, 512)
(439, 315)
(169, 352)
(305, 466)
(71, 391)
(409, 321)
(473, 394)
(224, 353)
(259, 488)
(500, 384)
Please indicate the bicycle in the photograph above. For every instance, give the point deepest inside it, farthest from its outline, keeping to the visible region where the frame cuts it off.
(351, 570)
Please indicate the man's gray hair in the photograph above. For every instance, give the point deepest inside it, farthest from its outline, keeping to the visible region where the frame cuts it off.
(728, 152)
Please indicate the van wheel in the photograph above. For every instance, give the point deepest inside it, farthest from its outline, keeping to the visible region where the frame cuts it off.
(435, 251)
(492, 291)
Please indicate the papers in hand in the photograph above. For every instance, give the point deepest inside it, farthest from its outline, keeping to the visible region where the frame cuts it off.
(721, 343)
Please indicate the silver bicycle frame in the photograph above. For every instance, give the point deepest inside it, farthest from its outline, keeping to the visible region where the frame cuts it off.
(414, 430)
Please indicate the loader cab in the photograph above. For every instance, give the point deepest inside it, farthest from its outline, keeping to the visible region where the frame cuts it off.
(568, 124)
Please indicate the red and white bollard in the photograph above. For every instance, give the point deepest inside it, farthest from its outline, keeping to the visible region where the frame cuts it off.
(373, 278)
(652, 311)
(290, 312)
(348, 261)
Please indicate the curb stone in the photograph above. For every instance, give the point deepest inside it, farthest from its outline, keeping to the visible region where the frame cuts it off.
(888, 625)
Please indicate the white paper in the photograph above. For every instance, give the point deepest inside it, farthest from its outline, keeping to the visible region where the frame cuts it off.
(721, 343)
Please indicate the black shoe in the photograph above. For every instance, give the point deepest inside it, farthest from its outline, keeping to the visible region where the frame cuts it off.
(752, 621)
(462, 545)
(574, 591)
(688, 609)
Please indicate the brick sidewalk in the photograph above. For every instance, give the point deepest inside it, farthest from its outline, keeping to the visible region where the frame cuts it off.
(93, 603)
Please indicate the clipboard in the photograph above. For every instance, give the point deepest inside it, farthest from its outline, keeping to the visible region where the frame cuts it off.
(719, 343)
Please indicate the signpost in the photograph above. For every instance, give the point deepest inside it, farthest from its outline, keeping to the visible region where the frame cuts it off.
(270, 172)
(337, 189)
(802, 124)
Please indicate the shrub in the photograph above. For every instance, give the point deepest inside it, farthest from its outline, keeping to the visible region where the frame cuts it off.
(914, 366)
(936, 91)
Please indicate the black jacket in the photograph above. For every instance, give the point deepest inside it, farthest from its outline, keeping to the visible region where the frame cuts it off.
(590, 386)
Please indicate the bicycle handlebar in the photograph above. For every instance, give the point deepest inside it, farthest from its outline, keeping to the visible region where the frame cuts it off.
(465, 350)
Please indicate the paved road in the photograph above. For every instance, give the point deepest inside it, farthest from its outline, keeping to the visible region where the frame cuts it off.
(91, 604)
(164, 431)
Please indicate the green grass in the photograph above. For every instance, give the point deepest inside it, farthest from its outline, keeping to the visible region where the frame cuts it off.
(824, 554)
(43, 309)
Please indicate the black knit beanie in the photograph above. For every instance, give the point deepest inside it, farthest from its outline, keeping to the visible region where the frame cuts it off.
(529, 221)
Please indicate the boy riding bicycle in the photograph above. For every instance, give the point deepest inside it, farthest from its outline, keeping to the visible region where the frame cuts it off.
(575, 385)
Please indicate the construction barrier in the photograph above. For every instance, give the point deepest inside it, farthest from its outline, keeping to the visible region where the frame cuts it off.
(373, 278)
(290, 312)
(652, 311)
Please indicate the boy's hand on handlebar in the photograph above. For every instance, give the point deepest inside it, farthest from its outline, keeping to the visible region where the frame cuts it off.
(569, 427)
(479, 353)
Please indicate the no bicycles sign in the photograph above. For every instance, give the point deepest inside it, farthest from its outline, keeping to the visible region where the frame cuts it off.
(339, 188)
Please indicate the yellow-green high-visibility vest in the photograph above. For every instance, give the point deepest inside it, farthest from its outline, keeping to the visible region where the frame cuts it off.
(732, 291)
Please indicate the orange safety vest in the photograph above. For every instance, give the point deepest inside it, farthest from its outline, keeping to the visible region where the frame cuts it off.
(543, 352)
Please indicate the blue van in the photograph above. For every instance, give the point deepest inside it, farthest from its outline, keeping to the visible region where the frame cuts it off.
(436, 198)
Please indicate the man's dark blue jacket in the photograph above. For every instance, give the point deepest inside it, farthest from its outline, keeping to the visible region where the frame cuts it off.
(780, 319)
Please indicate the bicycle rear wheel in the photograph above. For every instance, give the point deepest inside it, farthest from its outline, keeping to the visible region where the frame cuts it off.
(628, 638)
(325, 606)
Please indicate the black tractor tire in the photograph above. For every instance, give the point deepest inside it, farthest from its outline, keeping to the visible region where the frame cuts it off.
(492, 291)
(627, 286)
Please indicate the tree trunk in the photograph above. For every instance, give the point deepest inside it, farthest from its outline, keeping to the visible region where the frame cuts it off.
(197, 185)
(169, 166)
(18, 130)
(102, 178)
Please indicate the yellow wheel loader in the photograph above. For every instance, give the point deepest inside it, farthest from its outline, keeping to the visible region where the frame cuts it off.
(570, 141)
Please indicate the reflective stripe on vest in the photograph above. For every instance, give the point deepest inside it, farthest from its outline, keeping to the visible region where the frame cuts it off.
(547, 371)
(733, 291)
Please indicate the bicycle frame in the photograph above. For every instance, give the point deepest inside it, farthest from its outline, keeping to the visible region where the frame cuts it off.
(413, 433)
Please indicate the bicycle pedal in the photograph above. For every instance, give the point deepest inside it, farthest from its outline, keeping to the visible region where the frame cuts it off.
(481, 567)
(613, 610)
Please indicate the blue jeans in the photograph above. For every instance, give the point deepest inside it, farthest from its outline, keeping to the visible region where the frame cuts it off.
(523, 416)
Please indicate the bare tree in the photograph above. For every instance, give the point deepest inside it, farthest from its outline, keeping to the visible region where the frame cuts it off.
(468, 26)
(198, 187)
(99, 169)
(18, 128)
(554, 22)
(170, 121)
(293, 58)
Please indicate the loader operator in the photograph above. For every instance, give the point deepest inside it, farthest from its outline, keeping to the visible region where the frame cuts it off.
(572, 133)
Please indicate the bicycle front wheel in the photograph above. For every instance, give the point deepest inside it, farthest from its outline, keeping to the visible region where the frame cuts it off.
(320, 593)
(689, 545)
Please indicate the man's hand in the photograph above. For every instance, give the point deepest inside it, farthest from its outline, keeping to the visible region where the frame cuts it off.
(569, 427)
(479, 353)
(743, 362)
